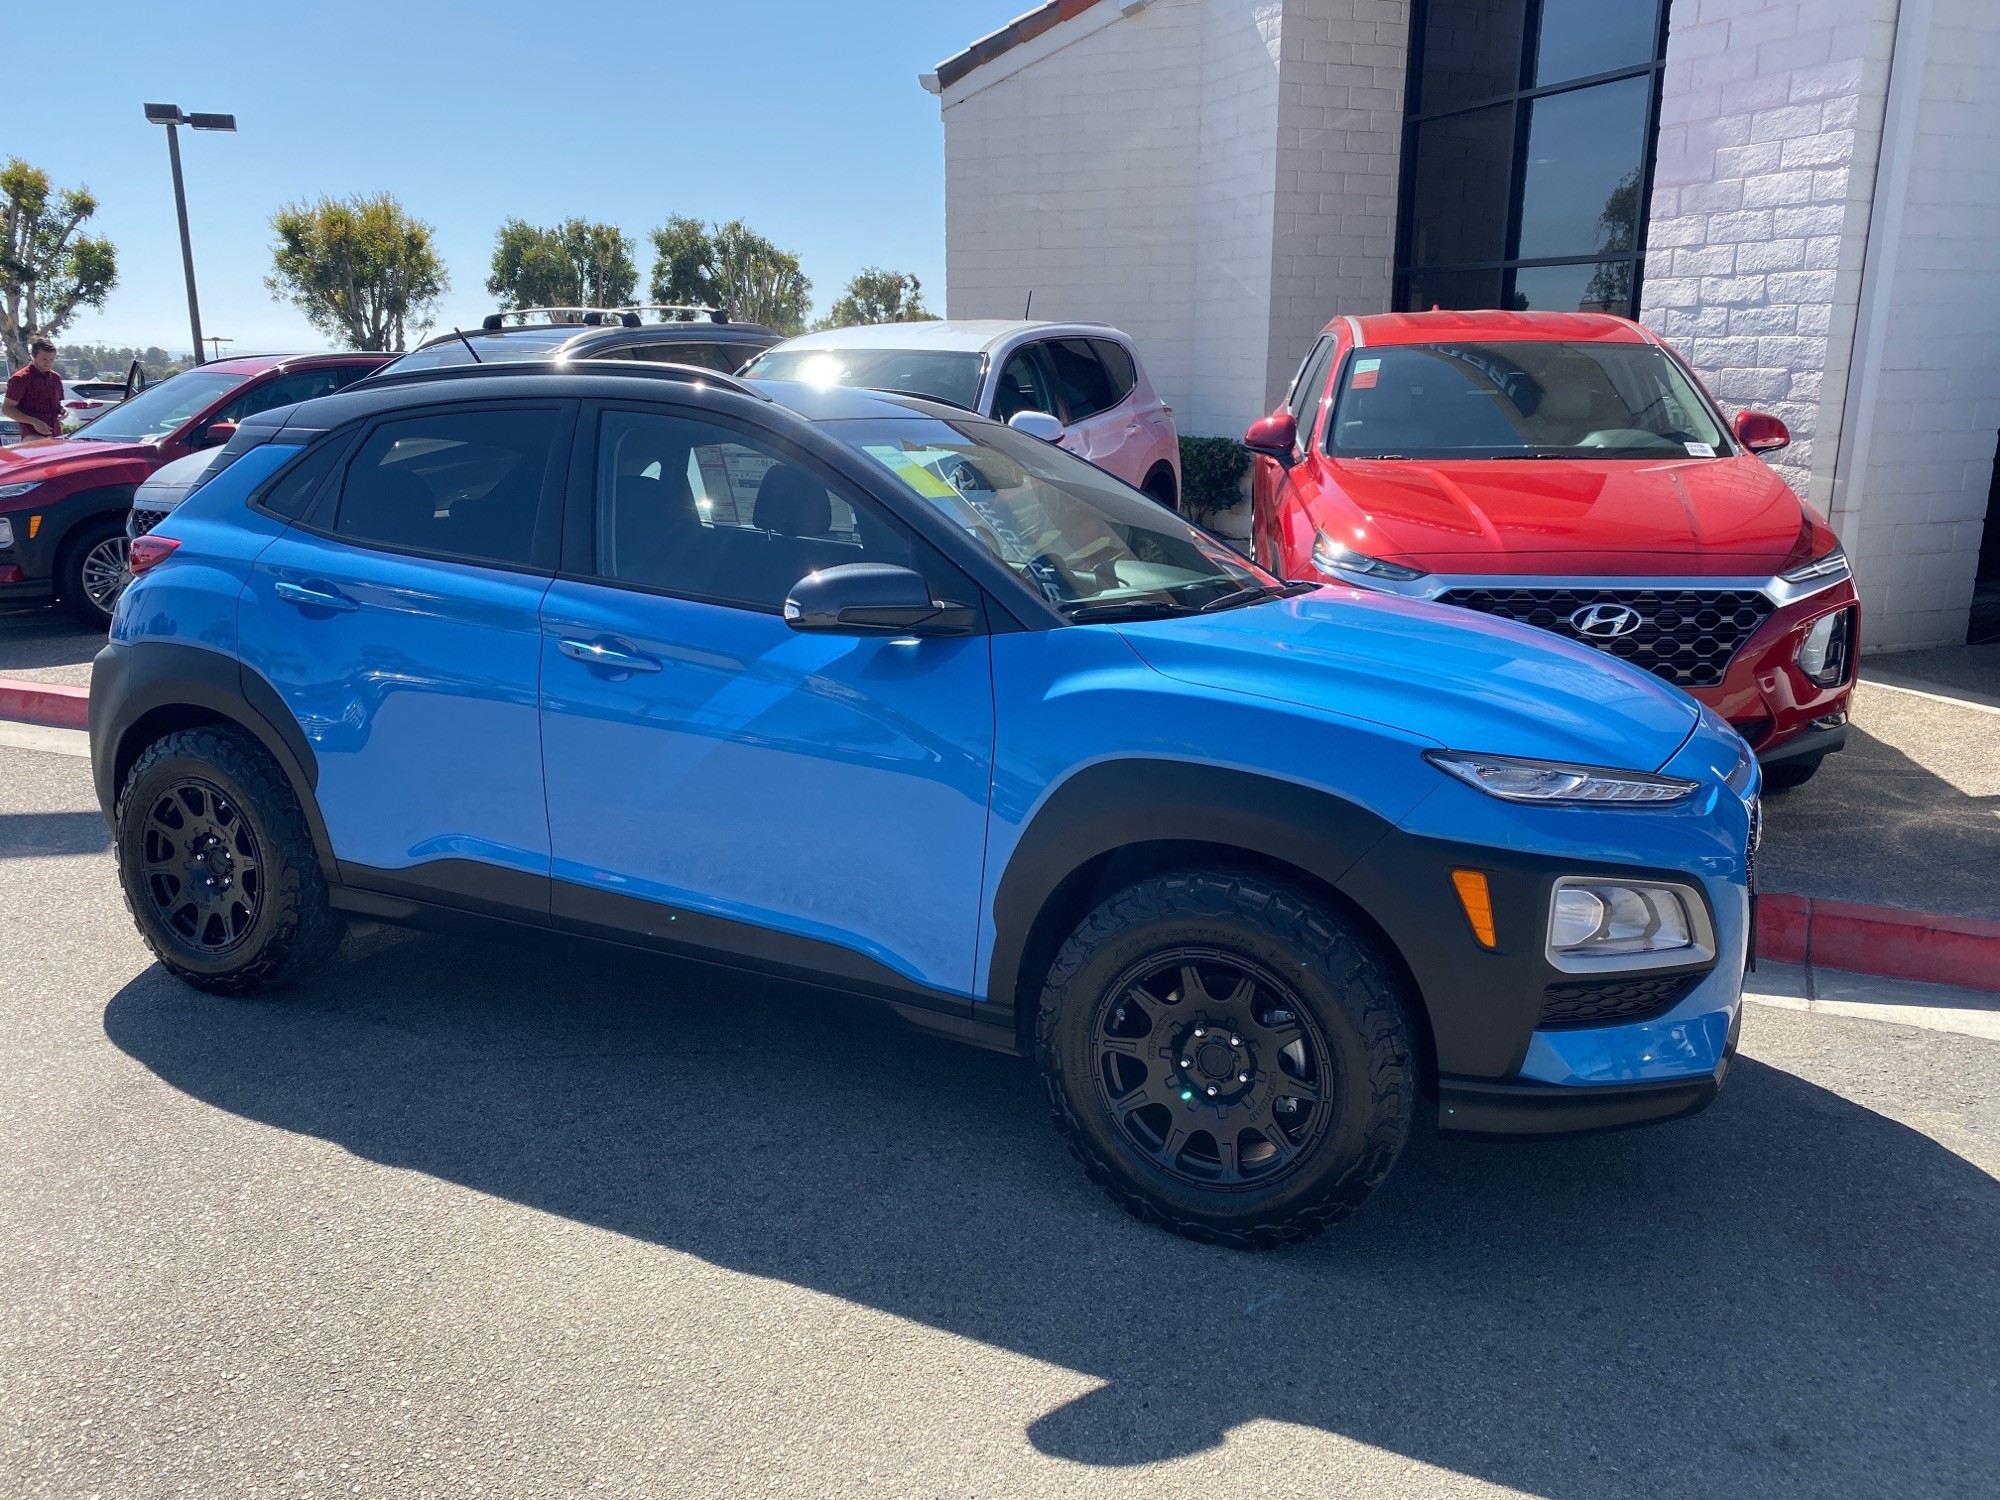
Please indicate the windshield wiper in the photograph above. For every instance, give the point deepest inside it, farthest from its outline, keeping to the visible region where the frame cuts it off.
(1251, 595)
(1083, 612)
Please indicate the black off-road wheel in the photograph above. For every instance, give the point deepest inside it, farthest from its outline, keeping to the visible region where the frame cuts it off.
(218, 866)
(1228, 1058)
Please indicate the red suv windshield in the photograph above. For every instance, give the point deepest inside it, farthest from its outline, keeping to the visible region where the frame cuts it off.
(1520, 400)
(158, 412)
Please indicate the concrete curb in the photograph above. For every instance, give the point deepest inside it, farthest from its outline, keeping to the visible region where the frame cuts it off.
(1881, 940)
(52, 703)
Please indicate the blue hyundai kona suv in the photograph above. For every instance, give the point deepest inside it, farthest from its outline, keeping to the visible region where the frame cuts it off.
(858, 688)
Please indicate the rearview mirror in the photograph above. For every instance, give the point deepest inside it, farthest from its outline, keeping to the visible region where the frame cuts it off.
(1760, 432)
(1037, 424)
(215, 434)
(873, 599)
(1275, 436)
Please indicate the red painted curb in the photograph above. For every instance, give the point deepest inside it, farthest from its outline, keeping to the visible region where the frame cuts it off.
(1882, 940)
(52, 703)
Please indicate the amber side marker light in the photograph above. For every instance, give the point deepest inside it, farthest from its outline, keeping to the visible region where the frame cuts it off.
(1477, 900)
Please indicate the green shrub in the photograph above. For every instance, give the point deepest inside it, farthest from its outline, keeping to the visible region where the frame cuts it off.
(1212, 470)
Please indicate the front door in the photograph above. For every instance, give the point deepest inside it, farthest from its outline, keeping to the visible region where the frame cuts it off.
(717, 780)
(400, 622)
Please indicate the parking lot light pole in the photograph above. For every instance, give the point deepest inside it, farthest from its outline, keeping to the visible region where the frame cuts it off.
(170, 116)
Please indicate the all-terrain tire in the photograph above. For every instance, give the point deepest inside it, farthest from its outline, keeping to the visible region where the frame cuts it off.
(291, 927)
(1353, 1001)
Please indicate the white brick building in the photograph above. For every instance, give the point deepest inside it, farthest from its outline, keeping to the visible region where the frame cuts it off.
(1804, 195)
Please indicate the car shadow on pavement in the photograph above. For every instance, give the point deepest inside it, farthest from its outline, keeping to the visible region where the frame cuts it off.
(1875, 826)
(1787, 1294)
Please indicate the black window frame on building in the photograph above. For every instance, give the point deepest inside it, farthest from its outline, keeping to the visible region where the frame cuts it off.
(1521, 101)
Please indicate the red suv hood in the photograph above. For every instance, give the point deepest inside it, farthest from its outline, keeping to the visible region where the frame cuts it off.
(1719, 516)
(42, 459)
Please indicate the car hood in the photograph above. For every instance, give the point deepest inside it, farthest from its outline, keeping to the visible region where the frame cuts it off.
(1693, 516)
(1465, 681)
(50, 458)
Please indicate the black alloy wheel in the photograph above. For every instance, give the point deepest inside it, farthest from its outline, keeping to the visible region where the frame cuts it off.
(1212, 1068)
(201, 868)
(1228, 1056)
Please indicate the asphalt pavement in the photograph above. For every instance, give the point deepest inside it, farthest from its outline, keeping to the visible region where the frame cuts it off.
(465, 1218)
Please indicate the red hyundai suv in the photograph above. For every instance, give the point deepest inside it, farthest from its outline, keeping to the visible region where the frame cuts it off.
(1568, 471)
(63, 500)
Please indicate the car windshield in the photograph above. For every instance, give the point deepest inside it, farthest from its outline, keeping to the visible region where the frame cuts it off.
(948, 375)
(1090, 546)
(512, 347)
(1520, 400)
(159, 411)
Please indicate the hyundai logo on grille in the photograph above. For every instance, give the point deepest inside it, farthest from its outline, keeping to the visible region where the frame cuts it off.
(1604, 622)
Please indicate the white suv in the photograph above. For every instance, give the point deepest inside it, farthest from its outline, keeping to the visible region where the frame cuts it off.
(1085, 375)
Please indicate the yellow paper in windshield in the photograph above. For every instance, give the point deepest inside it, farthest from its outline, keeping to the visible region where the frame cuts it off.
(910, 468)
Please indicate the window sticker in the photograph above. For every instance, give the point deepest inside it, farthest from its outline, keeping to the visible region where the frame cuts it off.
(911, 469)
(1700, 450)
(1366, 373)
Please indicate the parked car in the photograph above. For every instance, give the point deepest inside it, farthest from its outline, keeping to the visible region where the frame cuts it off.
(84, 399)
(700, 336)
(1568, 471)
(872, 690)
(1087, 376)
(165, 488)
(63, 501)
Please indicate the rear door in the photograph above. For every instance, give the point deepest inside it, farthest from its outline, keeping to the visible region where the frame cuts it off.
(1095, 412)
(400, 621)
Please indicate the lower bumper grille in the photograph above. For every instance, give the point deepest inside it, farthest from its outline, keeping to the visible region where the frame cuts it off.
(1687, 636)
(1611, 1002)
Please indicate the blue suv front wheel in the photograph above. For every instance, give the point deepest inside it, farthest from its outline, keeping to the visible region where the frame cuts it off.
(1228, 1057)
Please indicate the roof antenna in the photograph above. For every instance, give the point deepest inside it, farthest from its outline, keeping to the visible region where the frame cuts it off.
(468, 346)
(1030, 307)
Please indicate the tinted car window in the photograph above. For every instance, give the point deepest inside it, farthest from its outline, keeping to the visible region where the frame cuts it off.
(689, 507)
(284, 390)
(457, 484)
(950, 375)
(1307, 394)
(1081, 383)
(293, 489)
(723, 357)
(1024, 385)
(1118, 366)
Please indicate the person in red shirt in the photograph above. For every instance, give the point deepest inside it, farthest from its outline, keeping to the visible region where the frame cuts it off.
(35, 391)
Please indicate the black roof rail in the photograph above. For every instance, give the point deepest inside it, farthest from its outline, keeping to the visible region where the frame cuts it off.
(682, 374)
(585, 317)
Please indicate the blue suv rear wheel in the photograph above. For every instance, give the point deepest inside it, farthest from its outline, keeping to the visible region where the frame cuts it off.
(1227, 1057)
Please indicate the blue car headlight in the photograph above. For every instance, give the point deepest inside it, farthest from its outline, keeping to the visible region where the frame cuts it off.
(1514, 779)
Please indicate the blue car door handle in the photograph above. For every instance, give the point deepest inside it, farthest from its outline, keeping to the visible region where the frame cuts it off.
(600, 654)
(323, 597)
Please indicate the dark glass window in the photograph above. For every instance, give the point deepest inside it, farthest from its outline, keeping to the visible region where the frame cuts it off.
(1582, 38)
(299, 385)
(1025, 385)
(1460, 197)
(453, 484)
(689, 507)
(1471, 51)
(294, 488)
(1081, 383)
(1580, 192)
(1522, 188)
(723, 357)
(1118, 365)
(1311, 390)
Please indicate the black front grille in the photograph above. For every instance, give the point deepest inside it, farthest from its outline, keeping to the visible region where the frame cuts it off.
(144, 520)
(1610, 1002)
(1687, 636)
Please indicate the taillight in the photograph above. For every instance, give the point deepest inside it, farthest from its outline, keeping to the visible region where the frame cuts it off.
(148, 552)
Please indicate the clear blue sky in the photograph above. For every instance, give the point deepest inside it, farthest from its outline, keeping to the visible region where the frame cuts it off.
(802, 117)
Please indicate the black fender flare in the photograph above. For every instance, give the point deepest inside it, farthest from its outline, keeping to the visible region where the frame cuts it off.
(174, 685)
(1115, 805)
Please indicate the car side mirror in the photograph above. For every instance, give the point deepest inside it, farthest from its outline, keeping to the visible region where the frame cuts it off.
(873, 599)
(215, 434)
(1760, 432)
(1037, 424)
(1275, 436)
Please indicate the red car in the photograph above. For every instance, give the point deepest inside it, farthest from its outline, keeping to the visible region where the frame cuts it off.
(1567, 471)
(63, 500)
